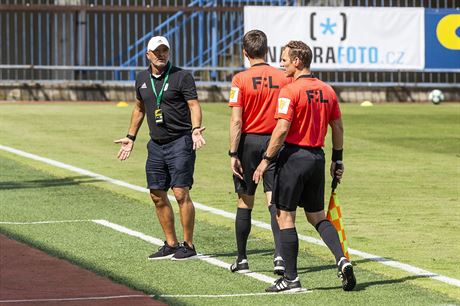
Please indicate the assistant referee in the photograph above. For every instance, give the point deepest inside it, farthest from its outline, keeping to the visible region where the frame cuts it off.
(305, 109)
(253, 99)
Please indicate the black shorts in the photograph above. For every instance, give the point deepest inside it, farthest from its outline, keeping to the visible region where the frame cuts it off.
(250, 152)
(171, 164)
(299, 179)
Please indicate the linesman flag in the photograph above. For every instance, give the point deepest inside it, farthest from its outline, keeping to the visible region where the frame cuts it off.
(334, 214)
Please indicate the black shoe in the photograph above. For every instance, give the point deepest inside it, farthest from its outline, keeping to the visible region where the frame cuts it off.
(284, 285)
(240, 267)
(346, 274)
(280, 266)
(184, 252)
(164, 252)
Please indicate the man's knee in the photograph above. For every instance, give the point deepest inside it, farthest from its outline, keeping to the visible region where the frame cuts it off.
(182, 195)
(159, 198)
(315, 217)
(245, 201)
(286, 219)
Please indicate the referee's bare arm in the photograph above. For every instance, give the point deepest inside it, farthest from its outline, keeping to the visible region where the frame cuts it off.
(276, 141)
(236, 122)
(337, 134)
(337, 144)
(127, 144)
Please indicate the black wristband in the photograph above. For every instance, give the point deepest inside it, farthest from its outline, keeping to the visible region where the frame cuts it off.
(337, 155)
(129, 136)
(196, 127)
(268, 158)
(232, 154)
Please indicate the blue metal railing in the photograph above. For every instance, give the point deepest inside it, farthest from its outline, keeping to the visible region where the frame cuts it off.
(144, 39)
(216, 47)
(109, 44)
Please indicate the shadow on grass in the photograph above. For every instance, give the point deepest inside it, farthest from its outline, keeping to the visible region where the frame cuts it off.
(363, 286)
(248, 253)
(359, 286)
(67, 181)
(303, 270)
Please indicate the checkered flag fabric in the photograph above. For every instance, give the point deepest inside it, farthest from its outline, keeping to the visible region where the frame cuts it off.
(334, 214)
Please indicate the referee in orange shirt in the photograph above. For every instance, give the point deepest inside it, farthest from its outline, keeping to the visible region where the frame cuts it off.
(305, 109)
(253, 99)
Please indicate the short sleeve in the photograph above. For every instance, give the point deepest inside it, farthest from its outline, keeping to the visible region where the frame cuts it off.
(189, 87)
(138, 93)
(286, 105)
(235, 97)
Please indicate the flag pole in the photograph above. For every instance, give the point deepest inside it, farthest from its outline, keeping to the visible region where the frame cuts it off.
(334, 213)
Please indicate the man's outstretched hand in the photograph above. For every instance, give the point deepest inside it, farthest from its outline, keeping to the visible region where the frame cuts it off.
(127, 146)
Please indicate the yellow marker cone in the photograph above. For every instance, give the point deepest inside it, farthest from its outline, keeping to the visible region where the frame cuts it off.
(367, 103)
(122, 104)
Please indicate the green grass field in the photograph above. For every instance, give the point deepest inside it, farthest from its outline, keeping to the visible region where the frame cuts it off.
(400, 198)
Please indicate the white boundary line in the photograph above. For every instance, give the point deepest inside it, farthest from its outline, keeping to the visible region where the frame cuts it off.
(109, 297)
(228, 295)
(112, 297)
(152, 240)
(391, 263)
(159, 242)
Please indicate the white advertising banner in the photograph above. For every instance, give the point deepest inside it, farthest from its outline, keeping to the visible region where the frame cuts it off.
(345, 37)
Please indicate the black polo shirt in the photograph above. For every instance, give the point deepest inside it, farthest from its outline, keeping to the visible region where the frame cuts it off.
(179, 89)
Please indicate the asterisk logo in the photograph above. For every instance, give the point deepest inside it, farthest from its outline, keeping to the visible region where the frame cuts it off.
(328, 26)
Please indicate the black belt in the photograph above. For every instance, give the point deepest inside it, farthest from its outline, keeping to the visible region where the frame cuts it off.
(168, 140)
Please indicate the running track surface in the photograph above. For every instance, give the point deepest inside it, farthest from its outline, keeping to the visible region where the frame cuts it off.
(31, 277)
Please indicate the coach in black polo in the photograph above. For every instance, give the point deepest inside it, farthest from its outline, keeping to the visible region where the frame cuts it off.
(167, 96)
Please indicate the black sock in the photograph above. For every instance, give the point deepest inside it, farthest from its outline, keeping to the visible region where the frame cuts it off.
(242, 230)
(290, 251)
(329, 235)
(275, 229)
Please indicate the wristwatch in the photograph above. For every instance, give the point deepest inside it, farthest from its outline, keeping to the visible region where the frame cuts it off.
(132, 137)
(268, 158)
(232, 154)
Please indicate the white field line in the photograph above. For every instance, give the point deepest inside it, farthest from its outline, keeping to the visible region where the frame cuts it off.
(391, 263)
(110, 297)
(155, 241)
(160, 242)
(113, 297)
(227, 295)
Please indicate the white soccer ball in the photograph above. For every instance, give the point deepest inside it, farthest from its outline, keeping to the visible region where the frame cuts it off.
(436, 96)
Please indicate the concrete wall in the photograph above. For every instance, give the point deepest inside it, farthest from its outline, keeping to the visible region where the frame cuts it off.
(109, 92)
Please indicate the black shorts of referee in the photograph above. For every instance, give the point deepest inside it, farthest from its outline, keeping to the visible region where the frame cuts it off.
(251, 149)
(171, 163)
(299, 179)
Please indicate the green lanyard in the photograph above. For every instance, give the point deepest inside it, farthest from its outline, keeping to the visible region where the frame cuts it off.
(158, 96)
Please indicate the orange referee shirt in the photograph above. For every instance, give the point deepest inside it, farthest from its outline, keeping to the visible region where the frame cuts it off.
(309, 104)
(256, 91)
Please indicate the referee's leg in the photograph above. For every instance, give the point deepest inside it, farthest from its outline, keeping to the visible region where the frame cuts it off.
(289, 242)
(243, 223)
(327, 232)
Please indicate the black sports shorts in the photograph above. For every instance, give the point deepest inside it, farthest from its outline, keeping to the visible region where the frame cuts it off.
(171, 164)
(299, 179)
(250, 152)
